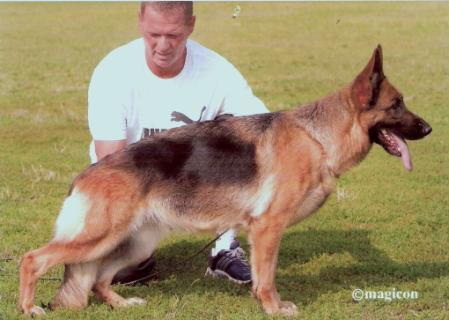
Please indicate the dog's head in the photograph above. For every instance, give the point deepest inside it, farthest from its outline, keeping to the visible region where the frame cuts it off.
(383, 111)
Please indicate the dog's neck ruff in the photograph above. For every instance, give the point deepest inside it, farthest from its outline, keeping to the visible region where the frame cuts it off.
(329, 123)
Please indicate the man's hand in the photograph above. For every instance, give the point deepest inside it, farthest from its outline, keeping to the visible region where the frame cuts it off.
(106, 147)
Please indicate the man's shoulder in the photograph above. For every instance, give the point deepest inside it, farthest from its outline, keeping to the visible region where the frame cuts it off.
(123, 57)
(207, 58)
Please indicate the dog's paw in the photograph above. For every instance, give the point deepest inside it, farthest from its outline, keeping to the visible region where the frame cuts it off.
(287, 308)
(35, 311)
(283, 308)
(135, 301)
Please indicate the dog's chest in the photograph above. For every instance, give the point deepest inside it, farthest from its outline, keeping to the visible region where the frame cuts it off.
(313, 199)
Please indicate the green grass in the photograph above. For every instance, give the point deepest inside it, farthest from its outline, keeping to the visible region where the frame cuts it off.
(383, 228)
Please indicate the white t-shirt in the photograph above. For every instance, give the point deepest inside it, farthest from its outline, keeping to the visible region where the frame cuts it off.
(127, 101)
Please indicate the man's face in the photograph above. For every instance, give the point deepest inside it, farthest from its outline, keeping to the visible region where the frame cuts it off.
(165, 35)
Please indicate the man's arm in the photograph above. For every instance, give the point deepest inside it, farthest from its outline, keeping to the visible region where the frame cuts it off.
(106, 147)
(107, 109)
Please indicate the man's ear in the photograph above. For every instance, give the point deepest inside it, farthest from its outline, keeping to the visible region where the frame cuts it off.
(139, 21)
(365, 88)
(191, 24)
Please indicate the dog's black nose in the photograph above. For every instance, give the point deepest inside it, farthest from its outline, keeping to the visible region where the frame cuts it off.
(425, 128)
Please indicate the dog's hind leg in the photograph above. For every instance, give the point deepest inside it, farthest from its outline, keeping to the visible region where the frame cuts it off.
(78, 281)
(33, 265)
(93, 221)
(79, 250)
(134, 250)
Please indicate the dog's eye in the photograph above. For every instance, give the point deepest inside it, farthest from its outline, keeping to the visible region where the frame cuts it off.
(397, 105)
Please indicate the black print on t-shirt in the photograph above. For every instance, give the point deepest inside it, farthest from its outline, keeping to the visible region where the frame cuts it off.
(178, 116)
(150, 132)
(175, 116)
(181, 117)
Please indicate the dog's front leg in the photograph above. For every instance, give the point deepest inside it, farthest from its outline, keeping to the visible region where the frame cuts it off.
(265, 237)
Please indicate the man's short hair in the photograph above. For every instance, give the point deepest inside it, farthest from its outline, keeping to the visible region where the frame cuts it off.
(168, 6)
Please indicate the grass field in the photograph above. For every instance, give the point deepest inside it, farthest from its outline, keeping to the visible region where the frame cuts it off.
(383, 229)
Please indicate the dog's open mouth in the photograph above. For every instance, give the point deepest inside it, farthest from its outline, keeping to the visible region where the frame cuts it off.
(395, 145)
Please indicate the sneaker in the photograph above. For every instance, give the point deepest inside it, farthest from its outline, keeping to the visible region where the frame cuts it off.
(231, 264)
(136, 275)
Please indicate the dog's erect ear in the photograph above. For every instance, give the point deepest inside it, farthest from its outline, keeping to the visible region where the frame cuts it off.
(365, 89)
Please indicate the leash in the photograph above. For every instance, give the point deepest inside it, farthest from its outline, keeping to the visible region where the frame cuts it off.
(151, 275)
(184, 261)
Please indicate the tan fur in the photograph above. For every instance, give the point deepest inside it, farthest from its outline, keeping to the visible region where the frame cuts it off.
(301, 155)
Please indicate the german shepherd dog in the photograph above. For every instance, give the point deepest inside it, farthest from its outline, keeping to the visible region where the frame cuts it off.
(259, 173)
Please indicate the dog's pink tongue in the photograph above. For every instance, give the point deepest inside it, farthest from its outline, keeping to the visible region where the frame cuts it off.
(405, 154)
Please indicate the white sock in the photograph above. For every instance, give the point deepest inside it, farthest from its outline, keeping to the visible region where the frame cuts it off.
(224, 242)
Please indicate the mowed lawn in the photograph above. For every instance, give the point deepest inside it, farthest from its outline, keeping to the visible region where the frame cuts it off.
(384, 229)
